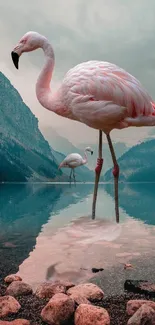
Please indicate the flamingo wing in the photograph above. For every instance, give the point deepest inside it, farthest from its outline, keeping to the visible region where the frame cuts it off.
(101, 92)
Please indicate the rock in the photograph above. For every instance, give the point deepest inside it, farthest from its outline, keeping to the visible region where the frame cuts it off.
(144, 315)
(89, 291)
(95, 270)
(8, 305)
(134, 305)
(67, 284)
(142, 287)
(15, 322)
(128, 266)
(91, 315)
(48, 289)
(12, 277)
(18, 288)
(59, 310)
(79, 299)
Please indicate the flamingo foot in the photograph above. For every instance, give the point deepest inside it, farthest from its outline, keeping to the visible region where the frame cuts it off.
(99, 166)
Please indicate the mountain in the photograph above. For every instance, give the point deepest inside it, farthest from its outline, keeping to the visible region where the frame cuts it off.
(25, 155)
(137, 164)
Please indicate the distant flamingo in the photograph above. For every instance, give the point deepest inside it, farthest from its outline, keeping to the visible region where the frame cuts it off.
(98, 94)
(75, 160)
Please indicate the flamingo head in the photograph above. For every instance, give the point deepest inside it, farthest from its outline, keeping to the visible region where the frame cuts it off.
(89, 150)
(29, 42)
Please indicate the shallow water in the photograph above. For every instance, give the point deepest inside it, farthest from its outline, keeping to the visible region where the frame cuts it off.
(47, 231)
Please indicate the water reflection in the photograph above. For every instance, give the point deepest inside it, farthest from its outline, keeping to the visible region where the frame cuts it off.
(47, 231)
(24, 209)
(137, 199)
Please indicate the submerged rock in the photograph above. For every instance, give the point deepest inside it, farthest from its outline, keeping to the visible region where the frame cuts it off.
(89, 291)
(59, 310)
(142, 287)
(134, 305)
(144, 315)
(12, 277)
(8, 305)
(91, 315)
(18, 288)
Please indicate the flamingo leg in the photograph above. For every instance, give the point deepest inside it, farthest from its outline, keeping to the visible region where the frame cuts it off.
(70, 176)
(97, 174)
(74, 176)
(116, 176)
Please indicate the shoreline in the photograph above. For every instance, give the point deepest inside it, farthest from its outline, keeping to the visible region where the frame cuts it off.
(32, 305)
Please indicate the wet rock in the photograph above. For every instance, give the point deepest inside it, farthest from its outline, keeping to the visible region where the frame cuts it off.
(59, 310)
(15, 322)
(8, 305)
(142, 287)
(144, 315)
(18, 288)
(134, 305)
(67, 284)
(91, 315)
(79, 299)
(89, 291)
(12, 277)
(95, 270)
(48, 289)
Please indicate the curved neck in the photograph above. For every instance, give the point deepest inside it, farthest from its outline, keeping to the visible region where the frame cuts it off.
(85, 159)
(43, 90)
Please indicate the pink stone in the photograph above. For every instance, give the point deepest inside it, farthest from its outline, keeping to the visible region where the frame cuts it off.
(8, 305)
(134, 305)
(91, 315)
(59, 310)
(15, 322)
(48, 289)
(144, 315)
(18, 288)
(79, 299)
(89, 291)
(12, 277)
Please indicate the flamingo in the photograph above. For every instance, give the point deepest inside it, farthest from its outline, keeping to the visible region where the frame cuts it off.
(74, 160)
(99, 94)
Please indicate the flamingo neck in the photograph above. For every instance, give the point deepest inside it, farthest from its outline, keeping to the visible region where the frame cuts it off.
(85, 159)
(44, 94)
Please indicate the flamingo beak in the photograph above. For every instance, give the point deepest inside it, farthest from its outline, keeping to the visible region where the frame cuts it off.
(91, 152)
(15, 59)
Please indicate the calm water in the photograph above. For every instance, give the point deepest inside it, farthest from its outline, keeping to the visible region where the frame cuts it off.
(46, 231)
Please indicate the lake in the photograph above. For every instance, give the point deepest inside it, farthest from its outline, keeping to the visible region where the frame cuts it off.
(46, 232)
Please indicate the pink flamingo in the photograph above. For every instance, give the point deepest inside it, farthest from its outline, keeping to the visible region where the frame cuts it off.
(98, 94)
(74, 160)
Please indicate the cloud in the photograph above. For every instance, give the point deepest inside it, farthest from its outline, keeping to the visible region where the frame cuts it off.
(117, 31)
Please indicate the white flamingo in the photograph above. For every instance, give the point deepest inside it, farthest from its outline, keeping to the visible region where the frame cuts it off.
(75, 160)
(96, 93)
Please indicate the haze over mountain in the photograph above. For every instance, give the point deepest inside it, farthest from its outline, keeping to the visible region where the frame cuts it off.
(63, 145)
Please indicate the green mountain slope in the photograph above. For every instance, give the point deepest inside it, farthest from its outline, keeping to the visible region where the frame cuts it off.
(138, 164)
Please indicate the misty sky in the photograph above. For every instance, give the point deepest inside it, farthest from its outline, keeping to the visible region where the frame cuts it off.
(118, 31)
